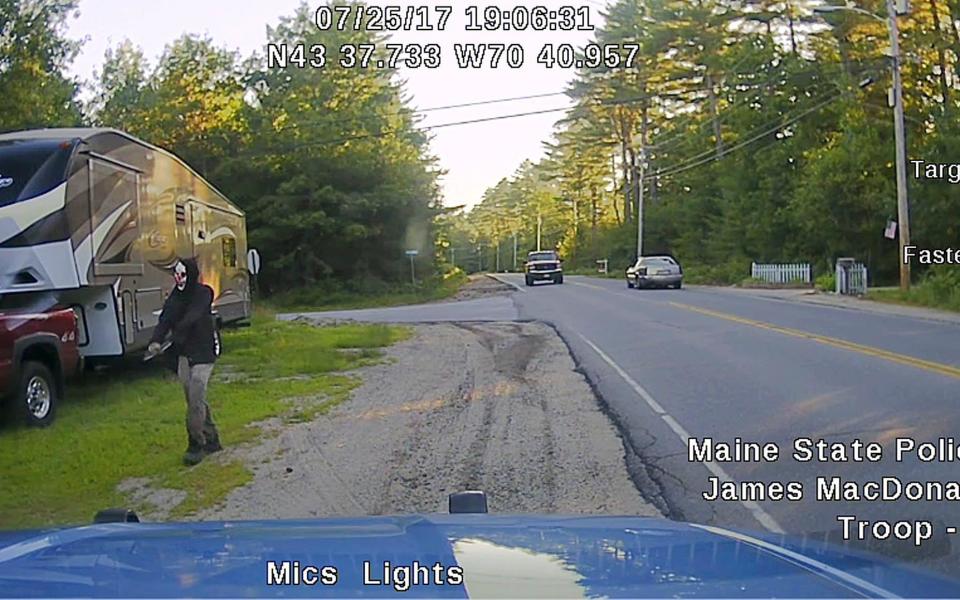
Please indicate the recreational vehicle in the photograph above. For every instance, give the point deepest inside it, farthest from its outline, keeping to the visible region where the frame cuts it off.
(94, 219)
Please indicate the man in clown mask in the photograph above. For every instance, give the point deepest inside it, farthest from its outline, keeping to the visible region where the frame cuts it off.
(186, 318)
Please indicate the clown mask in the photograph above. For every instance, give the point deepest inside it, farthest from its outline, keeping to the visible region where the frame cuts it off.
(180, 275)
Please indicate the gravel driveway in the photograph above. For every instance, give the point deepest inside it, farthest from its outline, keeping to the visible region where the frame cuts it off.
(493, 406)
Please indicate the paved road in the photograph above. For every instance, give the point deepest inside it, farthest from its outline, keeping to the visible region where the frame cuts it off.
(675, 364)
(706, 363)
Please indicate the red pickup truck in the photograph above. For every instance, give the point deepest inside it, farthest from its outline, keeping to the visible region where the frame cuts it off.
(38, 352)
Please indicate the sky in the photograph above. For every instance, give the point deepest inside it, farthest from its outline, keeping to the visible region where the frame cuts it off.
(474, 156)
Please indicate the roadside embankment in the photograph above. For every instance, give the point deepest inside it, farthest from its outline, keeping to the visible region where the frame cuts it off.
(493, 406)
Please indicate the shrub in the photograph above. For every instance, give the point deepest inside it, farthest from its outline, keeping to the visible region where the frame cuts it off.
(826, 282)
(722, 274)
(369, 285)
(940, 286)
(752, 282)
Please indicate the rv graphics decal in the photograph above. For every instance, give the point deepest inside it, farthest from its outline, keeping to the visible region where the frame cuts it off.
(15, 218)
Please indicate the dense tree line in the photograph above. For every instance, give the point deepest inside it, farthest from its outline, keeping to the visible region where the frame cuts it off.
(765, 134)
(34, 53)
(335, 178)
(762, 131)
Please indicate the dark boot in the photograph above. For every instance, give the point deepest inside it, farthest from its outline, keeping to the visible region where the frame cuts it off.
(193, 455)
(212, 447)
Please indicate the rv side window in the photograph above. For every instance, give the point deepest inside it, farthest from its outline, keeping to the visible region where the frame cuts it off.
(31, 168)
(229, 252)
(115, 213)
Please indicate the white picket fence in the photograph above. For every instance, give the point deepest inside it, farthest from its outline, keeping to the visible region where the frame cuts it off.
(781, 273)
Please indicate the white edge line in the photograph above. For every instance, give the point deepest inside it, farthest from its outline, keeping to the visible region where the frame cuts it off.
(800, 558)
(762, 516)
(630, 381)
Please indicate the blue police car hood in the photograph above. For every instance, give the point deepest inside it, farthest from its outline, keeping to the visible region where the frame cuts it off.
(499, 555)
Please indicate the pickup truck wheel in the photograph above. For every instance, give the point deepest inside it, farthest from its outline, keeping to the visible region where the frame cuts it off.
(629, 284)
(559, 280)
(529, 281)
(35, 400)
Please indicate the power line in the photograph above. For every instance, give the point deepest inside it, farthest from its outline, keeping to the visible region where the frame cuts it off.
(486, 102)
(413, 112)
(775, 122)
(363, 136)
(710, 155)
(687, 165)
(682, 137)
(680, 168)
(608, 102)
(691, 163)
(493, 101)
(685, 137)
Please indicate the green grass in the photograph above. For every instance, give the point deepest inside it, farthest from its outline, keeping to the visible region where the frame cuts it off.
(939, 288)
(724, 274)
(755, 282)
(319, 298)
(915, 297)
(129, 422)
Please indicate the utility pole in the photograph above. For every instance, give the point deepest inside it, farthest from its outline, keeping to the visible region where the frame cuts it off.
(576, 214)
(497, 268)
(642, 168)
(903, 202)
(539, 226)
(514, 250)
(715, 109)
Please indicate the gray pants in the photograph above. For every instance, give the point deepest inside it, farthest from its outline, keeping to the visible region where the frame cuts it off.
(201, 429)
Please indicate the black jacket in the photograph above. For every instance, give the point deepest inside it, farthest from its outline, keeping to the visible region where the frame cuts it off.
(187, 315)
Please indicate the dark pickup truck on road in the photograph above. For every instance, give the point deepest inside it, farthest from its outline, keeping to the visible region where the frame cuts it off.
(543, 265)
(38, 352)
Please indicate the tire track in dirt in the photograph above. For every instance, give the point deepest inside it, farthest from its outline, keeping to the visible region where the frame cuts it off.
(493, 406)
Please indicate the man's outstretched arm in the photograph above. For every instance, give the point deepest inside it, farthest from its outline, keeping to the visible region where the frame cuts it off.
(168, 318)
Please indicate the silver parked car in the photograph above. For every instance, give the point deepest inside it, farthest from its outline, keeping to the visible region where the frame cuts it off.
(655, 271)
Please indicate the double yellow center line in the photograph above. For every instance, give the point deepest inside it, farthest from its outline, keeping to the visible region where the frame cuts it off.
(902, 359)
